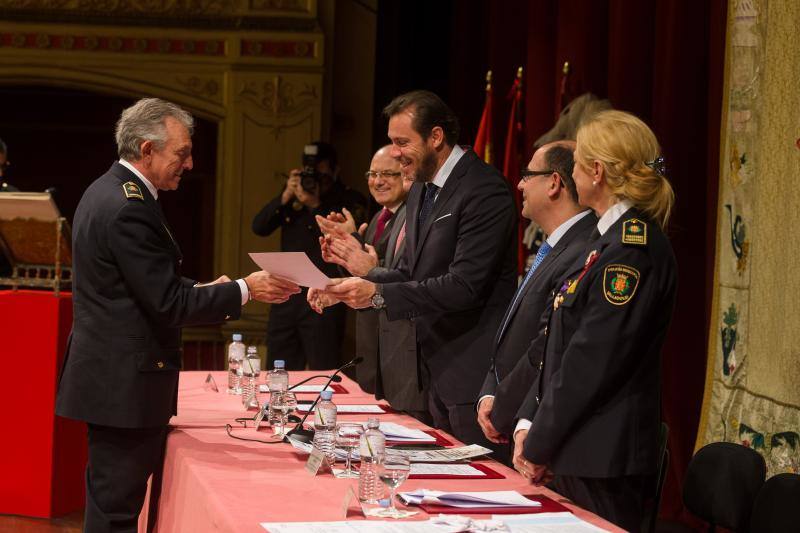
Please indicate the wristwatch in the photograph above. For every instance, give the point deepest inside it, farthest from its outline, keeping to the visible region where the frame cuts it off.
(377, 298)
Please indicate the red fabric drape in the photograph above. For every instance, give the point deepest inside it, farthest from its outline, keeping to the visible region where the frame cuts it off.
(483, 140)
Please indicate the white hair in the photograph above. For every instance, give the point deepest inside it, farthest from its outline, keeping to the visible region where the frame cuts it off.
(144, 121)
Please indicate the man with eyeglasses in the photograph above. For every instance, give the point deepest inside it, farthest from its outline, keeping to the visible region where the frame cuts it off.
(294, 332)
(551, 200)
(388, 370)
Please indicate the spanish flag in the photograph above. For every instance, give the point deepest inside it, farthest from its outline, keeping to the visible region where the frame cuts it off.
(483, 141)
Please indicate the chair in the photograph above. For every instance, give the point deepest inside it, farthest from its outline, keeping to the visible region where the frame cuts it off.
(663, 454)
(721, 484)
(777, 507)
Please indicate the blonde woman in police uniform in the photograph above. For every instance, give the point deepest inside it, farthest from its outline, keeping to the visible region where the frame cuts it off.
(594, 412)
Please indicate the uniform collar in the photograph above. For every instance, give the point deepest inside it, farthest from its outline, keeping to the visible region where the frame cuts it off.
(150, 186)
(612, 215)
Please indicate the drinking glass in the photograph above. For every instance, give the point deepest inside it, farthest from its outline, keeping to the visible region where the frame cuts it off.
(284, 403)
(393, 471)
(348, 437)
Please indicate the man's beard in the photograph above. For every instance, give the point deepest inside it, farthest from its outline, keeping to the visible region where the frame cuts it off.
(427, 167)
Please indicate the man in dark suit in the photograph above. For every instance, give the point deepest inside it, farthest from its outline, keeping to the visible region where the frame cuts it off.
(130, 302)
(389, 347)
(550, 200)
(294, 333)
(458, 272)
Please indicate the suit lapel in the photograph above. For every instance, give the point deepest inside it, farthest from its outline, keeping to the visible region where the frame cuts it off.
(441, 204)
(399, 218)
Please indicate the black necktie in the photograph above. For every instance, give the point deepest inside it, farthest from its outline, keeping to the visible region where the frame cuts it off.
(427, 202)
(594, 235)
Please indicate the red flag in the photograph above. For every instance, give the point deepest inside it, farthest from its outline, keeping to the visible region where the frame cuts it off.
(483, 141)
(512, 163)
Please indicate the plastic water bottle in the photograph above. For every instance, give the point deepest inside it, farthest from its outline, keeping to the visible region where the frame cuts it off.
(251, 369)
(325, 426)
(277, 382)
(371, 450)
(235, 356)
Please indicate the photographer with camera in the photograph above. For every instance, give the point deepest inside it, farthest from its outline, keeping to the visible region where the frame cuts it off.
(295, 332)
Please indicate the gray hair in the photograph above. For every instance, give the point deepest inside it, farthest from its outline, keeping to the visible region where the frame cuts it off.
(144, 121)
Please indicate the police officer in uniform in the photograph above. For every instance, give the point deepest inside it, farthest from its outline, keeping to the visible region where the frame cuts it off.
(594, 411)
(130, 302)
(295, 333)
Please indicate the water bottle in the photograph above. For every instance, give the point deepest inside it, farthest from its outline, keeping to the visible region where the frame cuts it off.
(251, 368)
(371, 450)
(277, 382)
(235, 356)
(325, 426)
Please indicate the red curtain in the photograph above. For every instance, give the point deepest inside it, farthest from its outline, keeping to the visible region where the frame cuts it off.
(662, 60)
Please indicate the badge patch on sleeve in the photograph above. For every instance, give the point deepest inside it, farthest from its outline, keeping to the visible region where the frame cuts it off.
(619, 283)
(132, 190)
(634, 231)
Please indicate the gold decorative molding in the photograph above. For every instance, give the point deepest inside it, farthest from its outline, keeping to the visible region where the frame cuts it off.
(202, 87)
(277, 97)
(85, 42)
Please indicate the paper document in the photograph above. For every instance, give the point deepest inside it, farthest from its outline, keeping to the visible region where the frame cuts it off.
(294, 266)
(299, 388)
(546, 522)
(468, 500)
(400, 433)
(344, 409)
(447, 455)
(449, 524)
(444, 469)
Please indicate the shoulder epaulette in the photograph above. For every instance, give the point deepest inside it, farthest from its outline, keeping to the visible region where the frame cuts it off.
(634, 231)
(132, 191)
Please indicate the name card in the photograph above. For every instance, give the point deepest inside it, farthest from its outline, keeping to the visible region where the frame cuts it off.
(317, 462)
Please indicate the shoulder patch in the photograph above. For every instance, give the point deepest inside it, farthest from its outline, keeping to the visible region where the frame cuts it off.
(634, 231)
(620, 283)
(132, 190)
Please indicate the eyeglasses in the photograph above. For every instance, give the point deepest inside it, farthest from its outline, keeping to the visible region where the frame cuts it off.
(372, 174)
(526, 174)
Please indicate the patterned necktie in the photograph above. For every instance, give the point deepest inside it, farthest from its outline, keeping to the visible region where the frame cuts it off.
(427, 202)
(544, 249)
(380, 225)
(400, 237)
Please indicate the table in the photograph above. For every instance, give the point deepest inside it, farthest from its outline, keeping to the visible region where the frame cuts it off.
(42, 456)
(212, 482)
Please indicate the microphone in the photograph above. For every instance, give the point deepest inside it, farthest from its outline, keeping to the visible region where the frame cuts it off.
(334, 378)
(307, 435)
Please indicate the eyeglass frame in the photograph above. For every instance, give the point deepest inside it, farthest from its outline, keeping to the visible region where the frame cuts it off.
(526, 174)
(375, 174)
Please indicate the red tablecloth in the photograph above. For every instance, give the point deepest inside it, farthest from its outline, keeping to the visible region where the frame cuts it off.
(212, 482)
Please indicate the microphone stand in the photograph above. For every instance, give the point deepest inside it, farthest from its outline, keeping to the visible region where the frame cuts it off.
(336, 379)
(307, 435)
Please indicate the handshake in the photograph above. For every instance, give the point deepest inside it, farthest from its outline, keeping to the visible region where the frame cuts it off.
(264, 287)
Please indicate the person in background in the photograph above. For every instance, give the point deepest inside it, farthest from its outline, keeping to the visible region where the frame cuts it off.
(389, 369)
(551, 201)
(120, 374)
(5, 186)
(592, 419)
(294, 332)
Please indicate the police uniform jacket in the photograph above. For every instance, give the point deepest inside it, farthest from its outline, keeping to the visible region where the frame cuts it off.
(129, 304)
(597, 398)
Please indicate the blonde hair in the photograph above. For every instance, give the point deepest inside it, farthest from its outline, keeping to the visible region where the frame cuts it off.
(627, 148)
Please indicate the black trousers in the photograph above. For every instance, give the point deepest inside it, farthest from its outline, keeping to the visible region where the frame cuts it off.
(620, 500)
(299, 336)
(120, 462)
(460, 420)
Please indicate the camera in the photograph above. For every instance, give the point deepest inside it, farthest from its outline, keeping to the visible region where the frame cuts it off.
(309, 177)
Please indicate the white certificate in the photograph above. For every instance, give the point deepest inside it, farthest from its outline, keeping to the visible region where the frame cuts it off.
(294, 266)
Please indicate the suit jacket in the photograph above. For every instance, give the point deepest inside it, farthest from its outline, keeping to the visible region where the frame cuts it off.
(129, 303)
(457, 275)
(595, 407)
(518, 338)
(367, 319)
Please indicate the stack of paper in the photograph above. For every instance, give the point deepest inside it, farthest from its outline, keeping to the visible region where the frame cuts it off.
(447, 455)
(399, 433)
(299, 388)
(468, 500)
(547, 523)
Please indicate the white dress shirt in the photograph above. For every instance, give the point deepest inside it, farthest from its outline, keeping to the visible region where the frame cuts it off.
(447, 168)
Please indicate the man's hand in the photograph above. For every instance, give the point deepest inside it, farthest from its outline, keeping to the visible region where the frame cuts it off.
(352, 256)
(318, 300)
(267, 288)
(484, 410)
(355, 292)
(537, 474)
(292, 184)
(337, 223)
(222, 279)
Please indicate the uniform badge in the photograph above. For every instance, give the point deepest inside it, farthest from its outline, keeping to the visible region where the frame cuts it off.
(634, 231)
(620, 283)
(132, 190)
